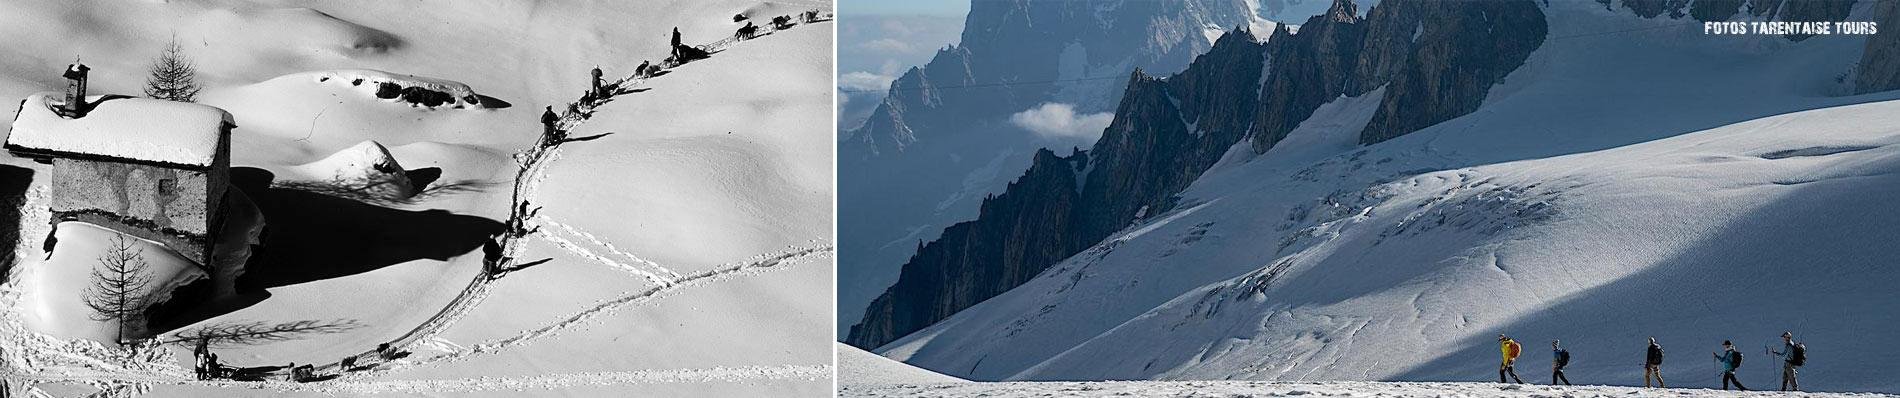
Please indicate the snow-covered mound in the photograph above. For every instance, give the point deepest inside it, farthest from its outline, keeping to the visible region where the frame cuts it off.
(1583, 202)
(1285, 389)
(367, 166)
(858, 367)
(302, 117)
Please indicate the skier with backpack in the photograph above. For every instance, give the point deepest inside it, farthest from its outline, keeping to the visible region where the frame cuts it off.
(1510, 349)
(1559, 358)
(1730, 359)
(1793, 355)
(1652, 364)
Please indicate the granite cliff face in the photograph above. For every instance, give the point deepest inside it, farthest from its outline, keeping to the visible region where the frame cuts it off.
(1168, 131)
(1879, 68)
(943, 138)
(1440, 70)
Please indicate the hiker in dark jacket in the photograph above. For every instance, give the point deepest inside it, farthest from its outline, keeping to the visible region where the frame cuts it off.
(1652, 364)
(1559, 358)
(1730, 359)
(548, 118)
(1793, 355)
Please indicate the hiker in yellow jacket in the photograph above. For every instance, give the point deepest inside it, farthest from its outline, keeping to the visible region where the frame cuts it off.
(1510, 349)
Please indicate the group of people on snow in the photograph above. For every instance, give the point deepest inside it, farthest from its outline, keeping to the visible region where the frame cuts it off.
(1793, 355)
(207, 367)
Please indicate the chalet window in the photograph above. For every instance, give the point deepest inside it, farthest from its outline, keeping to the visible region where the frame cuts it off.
(167, 187)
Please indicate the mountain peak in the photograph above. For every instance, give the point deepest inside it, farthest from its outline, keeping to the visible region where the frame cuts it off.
(1343, 11)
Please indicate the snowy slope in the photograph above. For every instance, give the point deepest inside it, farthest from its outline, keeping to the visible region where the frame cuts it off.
(1714, 190)
(689, 249)
(861, 368)
(1283, 389)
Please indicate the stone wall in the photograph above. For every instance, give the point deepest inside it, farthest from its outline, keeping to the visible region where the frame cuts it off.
(127, 197)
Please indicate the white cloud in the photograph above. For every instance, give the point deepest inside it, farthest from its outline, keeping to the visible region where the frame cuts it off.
(888, 45)
(864, 81)
(1059, 121)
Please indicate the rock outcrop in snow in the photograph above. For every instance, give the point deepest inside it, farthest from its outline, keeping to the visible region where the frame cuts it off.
(1879, 67)
(366, 167)
(414, 90)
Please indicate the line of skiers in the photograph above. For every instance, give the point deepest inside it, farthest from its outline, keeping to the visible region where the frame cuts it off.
(1793, 355)
(207, 366)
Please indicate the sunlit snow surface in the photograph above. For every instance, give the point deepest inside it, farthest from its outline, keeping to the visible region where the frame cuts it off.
(1213, 389)
(690, 249)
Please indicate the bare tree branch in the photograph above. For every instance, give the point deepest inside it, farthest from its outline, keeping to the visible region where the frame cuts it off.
(118, 285)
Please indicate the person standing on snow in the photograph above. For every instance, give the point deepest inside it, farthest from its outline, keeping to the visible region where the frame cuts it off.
(1652, 364)
(676, 43)
(1793, 355)
(1730, 359)
(1559, 358)
(548, 118)
(1510, 349)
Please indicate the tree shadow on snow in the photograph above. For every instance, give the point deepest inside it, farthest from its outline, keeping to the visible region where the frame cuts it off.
(311, 237)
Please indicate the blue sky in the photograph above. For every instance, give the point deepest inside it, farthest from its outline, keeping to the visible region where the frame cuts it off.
(904, 7)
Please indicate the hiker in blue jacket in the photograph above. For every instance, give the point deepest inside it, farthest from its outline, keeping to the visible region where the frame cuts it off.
(1793, 355)
(1730, 359)
(1559, 358)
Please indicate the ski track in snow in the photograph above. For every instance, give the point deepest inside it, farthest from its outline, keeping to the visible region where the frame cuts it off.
(572, 247)
(768, 263)
(535, 161)
(541, 382)
(560, 381)
(659, 275)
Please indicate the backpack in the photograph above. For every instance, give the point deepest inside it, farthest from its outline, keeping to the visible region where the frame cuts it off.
(1737, 360)
(1563, 358)
(1515, 349)
(1800, 355)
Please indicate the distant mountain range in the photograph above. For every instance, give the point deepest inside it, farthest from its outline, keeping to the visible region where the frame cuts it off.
(1325, 202)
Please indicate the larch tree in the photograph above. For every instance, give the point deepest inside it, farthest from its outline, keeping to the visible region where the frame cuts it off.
(173, 77)
(118, 285)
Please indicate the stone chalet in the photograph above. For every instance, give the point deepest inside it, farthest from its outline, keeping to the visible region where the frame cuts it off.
(153, 169)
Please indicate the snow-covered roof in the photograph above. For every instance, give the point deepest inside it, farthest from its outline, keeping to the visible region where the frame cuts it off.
(137, 129)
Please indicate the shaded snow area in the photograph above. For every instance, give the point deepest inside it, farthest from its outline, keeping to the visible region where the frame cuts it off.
(51, 308)
(1222, 389)
(672, 238)
(128, 128)
(1713, 191)
(860, 367)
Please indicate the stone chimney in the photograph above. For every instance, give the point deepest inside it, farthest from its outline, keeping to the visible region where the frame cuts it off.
(596, 82)
(75, 88)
